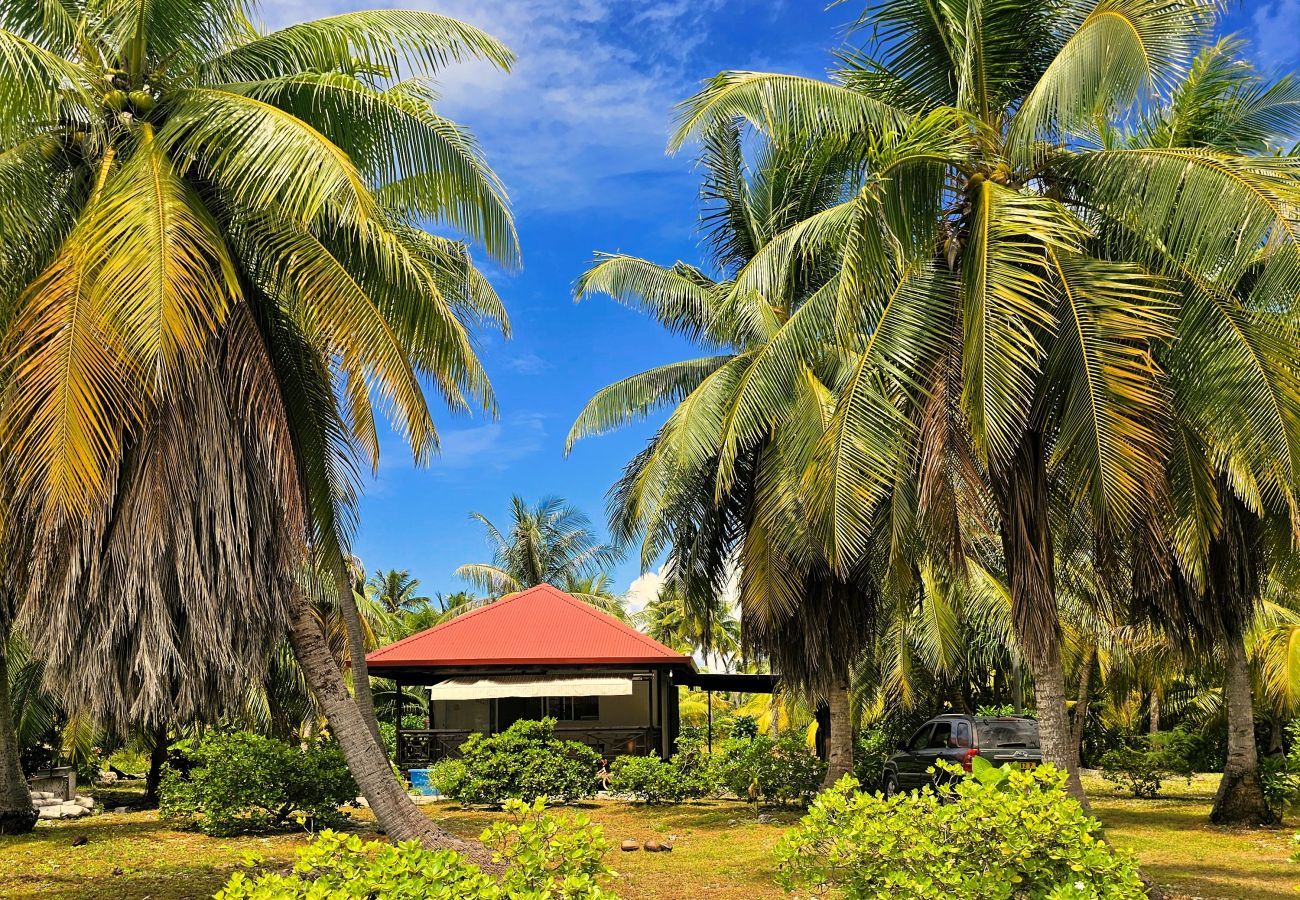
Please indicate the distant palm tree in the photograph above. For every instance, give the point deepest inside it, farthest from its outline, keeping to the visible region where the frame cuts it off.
(708, 628)
(550, 543)
(395, 590)
(213, 277)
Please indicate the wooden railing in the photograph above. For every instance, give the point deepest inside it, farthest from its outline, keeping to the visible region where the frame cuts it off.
(416, 747)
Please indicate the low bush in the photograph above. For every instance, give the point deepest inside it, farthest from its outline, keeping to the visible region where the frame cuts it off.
(1140, 772)
(545, 857)
(769, 770)
(686, 776)
(232, 782)
(1281, 774)
(1142, 767)
(526, 760)
(870, 751)
(1002, 834)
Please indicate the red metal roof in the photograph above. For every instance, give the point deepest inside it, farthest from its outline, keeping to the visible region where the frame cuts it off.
(539, 626)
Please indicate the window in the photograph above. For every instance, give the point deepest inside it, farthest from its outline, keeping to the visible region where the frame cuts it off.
(573, 709)
(960, 735)
(1009, 733)
(918, 740)
(939, 737)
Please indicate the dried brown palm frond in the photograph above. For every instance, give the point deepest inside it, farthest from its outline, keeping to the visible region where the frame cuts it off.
(176, 595)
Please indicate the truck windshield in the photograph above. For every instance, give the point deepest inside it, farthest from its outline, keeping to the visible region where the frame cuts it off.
(1009, 733)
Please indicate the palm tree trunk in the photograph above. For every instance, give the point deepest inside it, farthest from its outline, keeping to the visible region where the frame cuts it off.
(1021, 490)
(839, 740)
(1081, 707)
(400, 819)
(1240, 798)
(157, 759)
(1154, 709)
(17, 815)
(357, 652)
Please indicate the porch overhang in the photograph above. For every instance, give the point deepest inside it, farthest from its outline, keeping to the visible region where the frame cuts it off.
(532, 686)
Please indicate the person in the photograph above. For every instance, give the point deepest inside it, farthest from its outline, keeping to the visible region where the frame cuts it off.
(602, 774)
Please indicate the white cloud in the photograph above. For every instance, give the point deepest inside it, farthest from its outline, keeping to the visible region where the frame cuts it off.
(643, 589)
(528, 363)
(494, 445)
(588, 105)
(1276, 26)
(646, 586)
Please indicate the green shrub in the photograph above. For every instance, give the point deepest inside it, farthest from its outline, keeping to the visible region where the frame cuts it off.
(768, 770)
(449, 777)
(1281, 774)
(237, 781)
(545, 856)
(526, 760)
(998, 835)
(872, 748)
(1140, 772)
(1142, 766)
(647, 778)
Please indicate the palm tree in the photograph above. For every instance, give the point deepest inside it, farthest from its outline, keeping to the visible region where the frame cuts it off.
(711, 504)
(395, 591)
(1221, 538)
(1006, 261)
(212, 275)
(705, 625)
(549, 543)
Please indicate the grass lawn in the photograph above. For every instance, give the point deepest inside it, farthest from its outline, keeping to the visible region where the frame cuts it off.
(720, 851)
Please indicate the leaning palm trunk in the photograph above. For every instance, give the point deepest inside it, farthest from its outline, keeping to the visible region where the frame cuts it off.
(1021, 489)
(397, 815)
(357, 653)
(17, 816)
(839, 743)
(1240, 798)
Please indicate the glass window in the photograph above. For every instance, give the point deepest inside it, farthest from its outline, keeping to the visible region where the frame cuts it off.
(918, 740)
(1009, 733)
(939, 737)
(573, 709)
(960, 734)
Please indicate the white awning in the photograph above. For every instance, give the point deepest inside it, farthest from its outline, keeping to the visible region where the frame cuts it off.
(531, 686)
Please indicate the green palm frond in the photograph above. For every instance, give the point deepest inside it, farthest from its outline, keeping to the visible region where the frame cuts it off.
(1121, 52)
(384, 40)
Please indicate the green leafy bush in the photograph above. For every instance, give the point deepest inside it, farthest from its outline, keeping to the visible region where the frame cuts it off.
(1140, 772)
(1281, 774)
(872, 748)
(1143, 766)
(686, 776)
(230, 782)
(545, 856)
(768, 770)
(1002, 834)
(526, 760)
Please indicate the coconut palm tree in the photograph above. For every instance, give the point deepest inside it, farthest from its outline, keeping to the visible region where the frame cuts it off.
(1009, 260)
(551, 543)
(716, 513)
(704, 625)
(395, 591)
(213, 277)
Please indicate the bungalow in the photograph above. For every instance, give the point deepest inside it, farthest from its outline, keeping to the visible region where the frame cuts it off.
(538, 653)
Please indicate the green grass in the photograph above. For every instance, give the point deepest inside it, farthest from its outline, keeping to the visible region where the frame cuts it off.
(720, 850)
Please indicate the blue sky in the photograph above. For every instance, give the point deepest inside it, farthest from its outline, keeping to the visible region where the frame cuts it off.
(577, 131)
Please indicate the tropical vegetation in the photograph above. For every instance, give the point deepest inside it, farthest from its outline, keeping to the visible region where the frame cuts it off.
(1025, 365)
(214, 278)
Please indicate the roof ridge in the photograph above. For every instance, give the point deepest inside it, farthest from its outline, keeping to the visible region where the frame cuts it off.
(441, 626)
(614, 628)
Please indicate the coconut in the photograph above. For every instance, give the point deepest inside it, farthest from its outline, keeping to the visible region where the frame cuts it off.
(115, 100)
(141, 101)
